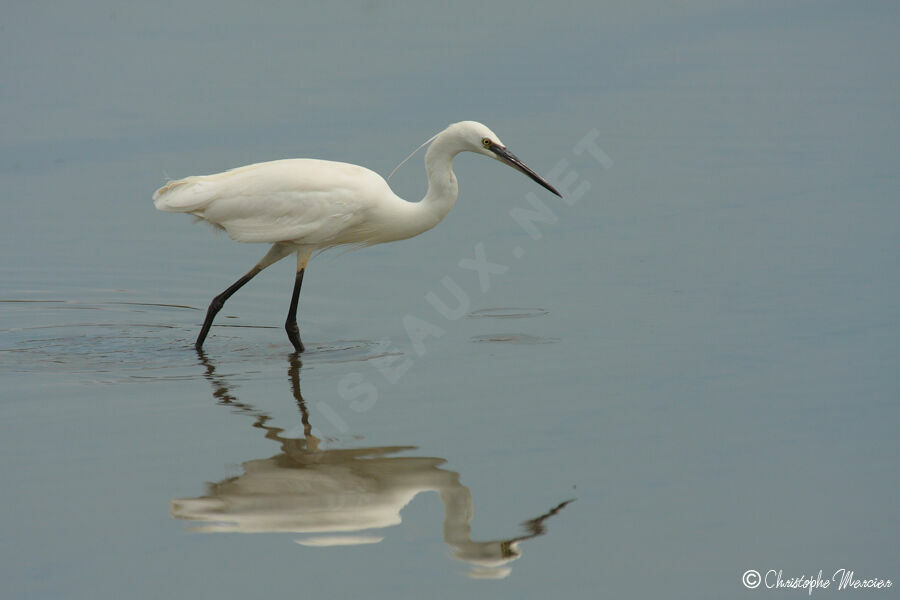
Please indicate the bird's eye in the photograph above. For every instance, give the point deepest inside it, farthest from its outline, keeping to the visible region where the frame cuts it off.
(486, 142)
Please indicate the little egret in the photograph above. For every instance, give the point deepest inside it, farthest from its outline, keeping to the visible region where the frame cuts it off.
(304, 205)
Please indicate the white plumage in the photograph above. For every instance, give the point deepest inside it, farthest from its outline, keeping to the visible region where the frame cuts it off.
(303, 205)
(295, 200)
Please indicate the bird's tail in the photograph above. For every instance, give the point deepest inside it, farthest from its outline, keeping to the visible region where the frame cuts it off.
(182, 195)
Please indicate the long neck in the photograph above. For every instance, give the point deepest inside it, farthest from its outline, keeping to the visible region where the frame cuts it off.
(442, 187)
(407, 219)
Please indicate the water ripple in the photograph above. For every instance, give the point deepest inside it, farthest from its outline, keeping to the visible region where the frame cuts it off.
(508, 313)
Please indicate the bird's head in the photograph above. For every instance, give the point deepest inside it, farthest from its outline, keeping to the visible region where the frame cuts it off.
(475, 137)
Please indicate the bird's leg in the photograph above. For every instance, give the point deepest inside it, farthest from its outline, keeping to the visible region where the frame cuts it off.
(219, 301)
(290, 325)
(276, 253)
(293, 330)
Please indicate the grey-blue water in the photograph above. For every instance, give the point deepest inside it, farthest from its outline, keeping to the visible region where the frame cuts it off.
(686, 370)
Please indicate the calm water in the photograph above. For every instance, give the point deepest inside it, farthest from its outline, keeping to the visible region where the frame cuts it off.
(687, 370)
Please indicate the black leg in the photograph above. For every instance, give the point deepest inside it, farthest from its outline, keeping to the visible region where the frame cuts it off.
(293, 331)
(219, 301)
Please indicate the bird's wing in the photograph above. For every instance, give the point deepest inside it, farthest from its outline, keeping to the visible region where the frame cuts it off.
(300, 200)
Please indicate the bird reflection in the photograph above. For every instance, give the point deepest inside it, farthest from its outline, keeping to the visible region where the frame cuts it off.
(340, 496)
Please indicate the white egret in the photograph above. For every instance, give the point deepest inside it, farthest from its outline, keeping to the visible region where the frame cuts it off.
(304, 205)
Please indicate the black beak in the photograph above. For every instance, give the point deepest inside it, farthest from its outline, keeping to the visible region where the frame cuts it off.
(512, 160)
